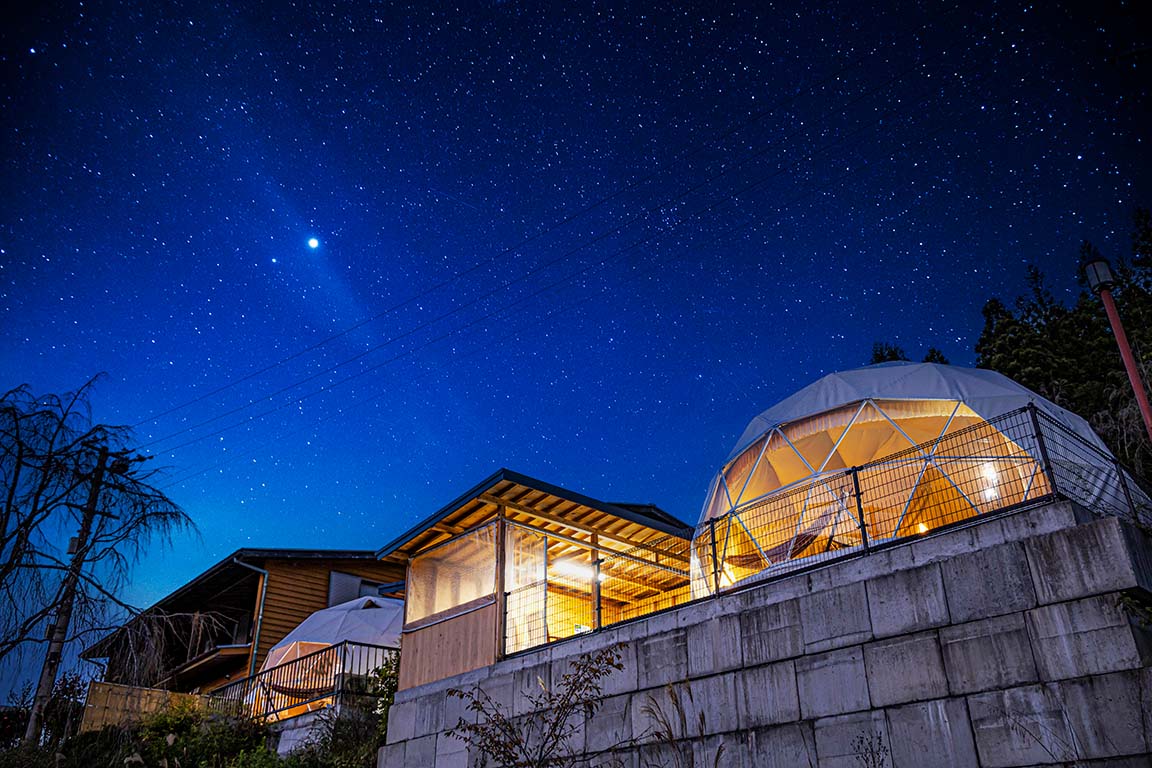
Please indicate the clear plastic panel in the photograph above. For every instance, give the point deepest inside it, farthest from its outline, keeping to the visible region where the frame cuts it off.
(525, 574)
(455, 573)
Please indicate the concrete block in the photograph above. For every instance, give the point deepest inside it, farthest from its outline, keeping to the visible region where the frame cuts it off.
(832, 683)
(694, 708)
(907, 601)
(729, 750)
(1104, 714)
(1083, 637)
(944, 546)
(850, 741)
(782, 746)
(529, 683)
(401, 721)
(714, 646)
(771, 632)
(1040, 520)
(905, 668)
(1071, 721)
(610, 726)
(988, 654)
(988, 582)
(931, 734)
(768, 695)
(391, 756)
(662, 659)
(1020, 726)
(501, 690)
(430, 714)
(451, 752)
(835, 618)
(1085, 560)
(623, 680)
(420, 751)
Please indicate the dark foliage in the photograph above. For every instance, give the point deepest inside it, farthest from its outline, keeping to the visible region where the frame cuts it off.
(1068, 353)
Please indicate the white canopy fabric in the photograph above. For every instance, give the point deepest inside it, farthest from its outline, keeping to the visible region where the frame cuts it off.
(370, 620)
(988, 393)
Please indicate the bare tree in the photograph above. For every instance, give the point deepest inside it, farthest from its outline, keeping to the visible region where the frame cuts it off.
(77, 512)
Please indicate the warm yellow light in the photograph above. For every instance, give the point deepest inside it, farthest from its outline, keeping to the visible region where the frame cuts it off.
(921, 528)
(576, 570)
(991, 478)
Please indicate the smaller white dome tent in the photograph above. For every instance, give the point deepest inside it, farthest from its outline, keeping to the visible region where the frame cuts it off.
(888, 451)
(344, 641)
(369, 620)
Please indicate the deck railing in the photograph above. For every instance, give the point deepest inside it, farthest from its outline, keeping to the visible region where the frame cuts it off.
(304, 684)
(1019, 460)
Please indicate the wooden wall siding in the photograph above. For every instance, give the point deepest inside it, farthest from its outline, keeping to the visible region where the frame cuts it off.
(451, 647)
(112, 704)
(299, 588)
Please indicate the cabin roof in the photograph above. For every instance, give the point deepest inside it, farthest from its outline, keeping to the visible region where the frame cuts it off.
(545, 504)
(227, 581)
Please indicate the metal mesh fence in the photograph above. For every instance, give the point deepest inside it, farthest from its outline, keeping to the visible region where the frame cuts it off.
(586, 588)
(302, 685)
(1019, 459)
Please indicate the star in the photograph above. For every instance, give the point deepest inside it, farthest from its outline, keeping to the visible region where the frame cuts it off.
(313, 243)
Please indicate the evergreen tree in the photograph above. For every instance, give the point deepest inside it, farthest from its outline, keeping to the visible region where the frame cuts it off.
(1068, 354)
(883, 352)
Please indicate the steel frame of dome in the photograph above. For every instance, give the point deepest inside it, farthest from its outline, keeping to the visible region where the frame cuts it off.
(1004, 471)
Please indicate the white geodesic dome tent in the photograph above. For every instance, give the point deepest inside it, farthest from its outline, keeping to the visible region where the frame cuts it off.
(372, 621)
(887, 451)
(331, 646)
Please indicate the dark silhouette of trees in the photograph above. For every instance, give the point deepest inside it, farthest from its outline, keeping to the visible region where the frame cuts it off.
(1068, 354)
(56, 465)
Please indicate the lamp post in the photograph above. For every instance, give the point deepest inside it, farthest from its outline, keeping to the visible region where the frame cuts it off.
(1101, 280)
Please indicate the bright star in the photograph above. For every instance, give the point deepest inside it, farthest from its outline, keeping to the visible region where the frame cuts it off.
(313, 242)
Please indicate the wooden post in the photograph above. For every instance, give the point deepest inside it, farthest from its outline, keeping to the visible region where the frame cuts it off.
(501, 595)
(597, 614)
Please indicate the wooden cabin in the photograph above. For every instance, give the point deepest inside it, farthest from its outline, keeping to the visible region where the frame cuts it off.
(219, 626)
(515, 563)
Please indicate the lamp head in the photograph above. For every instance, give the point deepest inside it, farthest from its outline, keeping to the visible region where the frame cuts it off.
(1098, 273)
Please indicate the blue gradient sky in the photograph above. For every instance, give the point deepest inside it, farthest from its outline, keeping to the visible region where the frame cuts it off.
(666, 221)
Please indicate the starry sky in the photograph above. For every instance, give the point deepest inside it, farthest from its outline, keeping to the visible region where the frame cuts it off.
(340, 261)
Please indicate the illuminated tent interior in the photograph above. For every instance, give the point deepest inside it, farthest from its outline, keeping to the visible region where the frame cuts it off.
(929, 458)
(515, 563)
(305, 664)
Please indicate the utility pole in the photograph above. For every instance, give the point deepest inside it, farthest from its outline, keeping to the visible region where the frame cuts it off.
(58, 633)
(1100, 280)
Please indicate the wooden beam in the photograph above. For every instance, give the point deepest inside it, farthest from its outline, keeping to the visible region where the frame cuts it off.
(588, 545)
(584, 529)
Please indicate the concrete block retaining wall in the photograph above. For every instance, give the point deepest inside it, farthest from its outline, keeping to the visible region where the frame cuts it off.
(1000, 645)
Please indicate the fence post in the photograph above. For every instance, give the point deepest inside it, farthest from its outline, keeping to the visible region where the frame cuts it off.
(1045, 461)
(855, 472)
(596, 592)
(1124, 487)
(715, 559)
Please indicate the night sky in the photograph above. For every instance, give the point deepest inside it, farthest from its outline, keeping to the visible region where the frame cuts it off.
(588, 242)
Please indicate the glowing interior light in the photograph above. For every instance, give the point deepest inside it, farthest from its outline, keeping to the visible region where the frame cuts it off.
(576, 570)
(921, 528)
(991, 478)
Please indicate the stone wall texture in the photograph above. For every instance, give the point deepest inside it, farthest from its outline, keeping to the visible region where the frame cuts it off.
(1018, 641)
